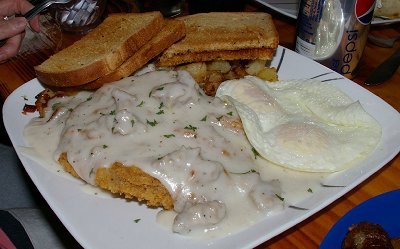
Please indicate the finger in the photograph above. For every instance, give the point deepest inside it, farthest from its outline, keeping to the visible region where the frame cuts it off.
(35, 24)
(12, 7)
(12, 27)
(25, 6)
(11, 47)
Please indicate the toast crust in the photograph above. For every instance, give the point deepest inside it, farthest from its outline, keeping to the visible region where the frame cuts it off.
(129, 182)
(173, 31)
(107, 47)
(242, 54)
(210, 32)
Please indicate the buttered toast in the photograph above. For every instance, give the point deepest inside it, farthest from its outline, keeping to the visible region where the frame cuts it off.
(101, 51)
(172, 31)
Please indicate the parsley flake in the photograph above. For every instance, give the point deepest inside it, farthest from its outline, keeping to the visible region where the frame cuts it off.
(309, 190)
(169, 135)
(91, 172)
(190, 127)
(140, 104)
(152, 123)
(157, 89)
(230, 113)
(204, 119)
(105, 146)
(160, 112)
(161, 105)
(219, 118)
(250, 171)
(112, 112)
(55, 106)
(256, 154)
(136, 220)
(279, 197)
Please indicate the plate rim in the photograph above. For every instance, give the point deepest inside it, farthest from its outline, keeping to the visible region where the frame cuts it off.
(260, 239)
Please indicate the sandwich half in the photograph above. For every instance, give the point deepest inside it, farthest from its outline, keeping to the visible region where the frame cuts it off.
(220, 46)
(224, 36)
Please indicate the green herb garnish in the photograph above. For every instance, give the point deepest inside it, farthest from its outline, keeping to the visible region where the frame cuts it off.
(157, 89)
(190, 127)
(55, 106)
(152, 123)
(140, 104)
(250, 171)
(169, 135)
(91, 172)
(255, 153)
(279, 197)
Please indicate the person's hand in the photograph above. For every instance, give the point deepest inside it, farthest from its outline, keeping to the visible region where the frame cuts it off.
(13, 29)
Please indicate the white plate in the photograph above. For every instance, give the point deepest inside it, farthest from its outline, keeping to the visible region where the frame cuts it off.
(98, 221)
(290, 8)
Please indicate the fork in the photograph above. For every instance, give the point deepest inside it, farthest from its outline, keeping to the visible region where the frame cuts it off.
(80, 17)
(36, 10)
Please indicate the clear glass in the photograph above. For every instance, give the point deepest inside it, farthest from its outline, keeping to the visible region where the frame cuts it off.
(168, 8)
(79, 16)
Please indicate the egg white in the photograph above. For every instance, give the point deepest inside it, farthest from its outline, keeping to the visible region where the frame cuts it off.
(304, 125)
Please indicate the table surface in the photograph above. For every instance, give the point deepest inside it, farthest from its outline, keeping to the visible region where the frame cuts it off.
(307, 234)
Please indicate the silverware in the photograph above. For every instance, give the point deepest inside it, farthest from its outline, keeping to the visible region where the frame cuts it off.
(383, 42)
(36, 10)
(81, 16)
(385, 70)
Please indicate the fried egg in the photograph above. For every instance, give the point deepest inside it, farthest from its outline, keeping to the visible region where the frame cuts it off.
(305, 125)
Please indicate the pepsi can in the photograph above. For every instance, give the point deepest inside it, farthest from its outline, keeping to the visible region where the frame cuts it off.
(334, 32)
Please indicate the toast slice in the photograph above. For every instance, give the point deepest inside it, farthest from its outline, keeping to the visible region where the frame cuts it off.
(101, 51)
(173, 31)
(209, 36)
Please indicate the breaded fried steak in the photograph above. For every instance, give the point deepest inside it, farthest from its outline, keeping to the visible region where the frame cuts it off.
(159, 139)
(128, 181)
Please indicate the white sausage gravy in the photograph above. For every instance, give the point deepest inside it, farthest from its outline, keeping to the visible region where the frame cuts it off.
(164, 124)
